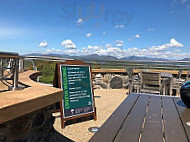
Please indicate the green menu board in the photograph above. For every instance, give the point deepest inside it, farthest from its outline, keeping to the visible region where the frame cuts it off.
(77, 90)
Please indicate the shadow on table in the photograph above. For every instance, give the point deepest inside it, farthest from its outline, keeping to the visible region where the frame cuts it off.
(180, 103)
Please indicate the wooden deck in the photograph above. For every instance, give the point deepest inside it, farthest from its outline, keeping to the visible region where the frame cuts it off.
(14, 104)
(147, 118)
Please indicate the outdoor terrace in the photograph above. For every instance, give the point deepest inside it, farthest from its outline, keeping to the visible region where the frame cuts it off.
(31, 97)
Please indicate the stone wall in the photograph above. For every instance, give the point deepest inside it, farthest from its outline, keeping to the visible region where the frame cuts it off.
(33, 127)
(110, 81)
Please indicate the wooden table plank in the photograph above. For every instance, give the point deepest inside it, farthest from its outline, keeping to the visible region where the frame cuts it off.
(111, 127)
(153, 124)
(184, 114)
(131, 128)
(173, 128)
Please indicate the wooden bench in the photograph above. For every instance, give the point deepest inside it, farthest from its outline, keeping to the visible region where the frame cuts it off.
(147, 118)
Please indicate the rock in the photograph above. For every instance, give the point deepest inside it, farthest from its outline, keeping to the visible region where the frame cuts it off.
(107, 78)
(22, 125)
(39, 119)
(98, 76)
(103, 85)
(100, 83)
(97, 87)
(4, 131)
(125, 79)
(33, 127)
(98, 79)
(116, 82)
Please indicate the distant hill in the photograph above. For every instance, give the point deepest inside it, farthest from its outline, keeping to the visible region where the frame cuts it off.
(185, 59)
(101, 57)
(137, 58)
(81, 57)
(50, 54)
(95, 57)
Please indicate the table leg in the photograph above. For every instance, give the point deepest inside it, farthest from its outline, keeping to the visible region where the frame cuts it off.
(171, 82)
(164, 88)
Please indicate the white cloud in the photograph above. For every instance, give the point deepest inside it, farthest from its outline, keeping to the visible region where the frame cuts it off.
(93, 47)
(119, 26)
(119, 43)
(137, 36)
(114, 51)
(80, 21)
(88, 34)
(160, 51)
(173, 43)
(71, 51)
(150, 30)
(168, 50)
(104, 33)
(43, 44)
(53, 50)
(108, 45)
(90, 49)
(68, 44)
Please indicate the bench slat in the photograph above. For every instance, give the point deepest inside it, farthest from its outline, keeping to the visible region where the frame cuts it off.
(131, 128)
(153, 124)
(174, 131)
(184, 114)
(111, 127)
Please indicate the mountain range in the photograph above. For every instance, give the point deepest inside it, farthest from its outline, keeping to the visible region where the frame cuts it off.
(103, 57)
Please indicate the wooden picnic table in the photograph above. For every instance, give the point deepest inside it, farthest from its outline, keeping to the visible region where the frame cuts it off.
(147, 118)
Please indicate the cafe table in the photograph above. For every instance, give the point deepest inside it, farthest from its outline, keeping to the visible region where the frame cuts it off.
(147, 118)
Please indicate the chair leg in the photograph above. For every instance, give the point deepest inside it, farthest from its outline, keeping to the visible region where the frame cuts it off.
(177, 92)
(130, 89)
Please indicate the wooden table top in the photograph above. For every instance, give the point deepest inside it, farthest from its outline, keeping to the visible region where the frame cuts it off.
(147, 118)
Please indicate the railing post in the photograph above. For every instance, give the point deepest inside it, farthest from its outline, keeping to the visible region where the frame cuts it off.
(15, 74)
(21, 65)
(1, 67)
(34, 65)
(15, 69)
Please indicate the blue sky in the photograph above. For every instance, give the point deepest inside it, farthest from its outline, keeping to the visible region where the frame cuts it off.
(118, 27)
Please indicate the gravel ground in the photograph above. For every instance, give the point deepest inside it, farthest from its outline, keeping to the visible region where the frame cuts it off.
(106, 102)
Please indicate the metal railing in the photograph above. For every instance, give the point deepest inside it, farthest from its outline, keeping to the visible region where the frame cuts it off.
(159, 65)
(9, 65)
(100, 64)
(41, 58)
(12, 63)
